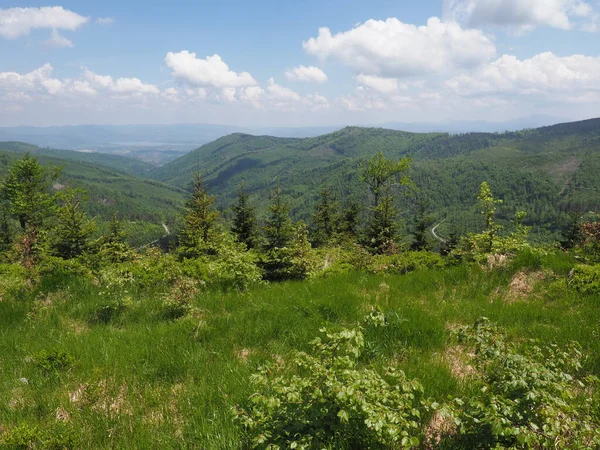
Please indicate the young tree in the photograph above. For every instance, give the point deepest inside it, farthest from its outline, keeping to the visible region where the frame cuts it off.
(487, 204)
(113, 246)
(5, 235)
(348, 223)
(279, 229)
(423, 221)
(201, 217)
(381, 175)
(27, 192)
(244, 221)
(74, 228)
(325, 219)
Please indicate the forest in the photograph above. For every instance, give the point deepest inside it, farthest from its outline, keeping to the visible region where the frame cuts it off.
(367, 288)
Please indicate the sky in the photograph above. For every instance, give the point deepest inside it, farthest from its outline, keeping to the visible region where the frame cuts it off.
(292, 63)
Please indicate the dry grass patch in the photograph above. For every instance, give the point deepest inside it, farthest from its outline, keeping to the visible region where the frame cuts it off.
(523, 284)
(458, 361)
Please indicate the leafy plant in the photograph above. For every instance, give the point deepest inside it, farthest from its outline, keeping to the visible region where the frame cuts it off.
(330, 401)
(526, 398)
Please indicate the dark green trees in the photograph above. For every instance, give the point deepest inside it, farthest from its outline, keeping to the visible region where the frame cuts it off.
(244, 220)
(73, 228)
(325, 219)
(279, 229)
(200, 220)
(381, 175)
(26, 190)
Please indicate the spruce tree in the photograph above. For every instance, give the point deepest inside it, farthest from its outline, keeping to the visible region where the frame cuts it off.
(422, 222)
(381, 174)
(244, 221)
(74, 228)
(200, 219)
(487, 204)
(325, 219)
(26, 189)
(348, 222)
(279, 229)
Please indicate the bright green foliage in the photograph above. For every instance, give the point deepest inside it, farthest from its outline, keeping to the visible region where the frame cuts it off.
(244, 221)
(381, 174)
(58, 436)
(586, 278)
(331, 401)
(530, 398)
(406, 262)
(73, 229)
(200, 221)
(112, 247)
(53, 361)
(487, 205)
(27, 191)
(325, 219)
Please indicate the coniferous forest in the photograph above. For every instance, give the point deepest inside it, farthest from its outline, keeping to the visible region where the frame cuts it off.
(367, 288)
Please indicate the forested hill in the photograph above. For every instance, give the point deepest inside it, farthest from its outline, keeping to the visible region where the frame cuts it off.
(119, 163)
(110, 191)
(547, 171)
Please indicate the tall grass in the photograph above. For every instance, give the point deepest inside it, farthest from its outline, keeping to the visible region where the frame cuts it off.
(140, 380)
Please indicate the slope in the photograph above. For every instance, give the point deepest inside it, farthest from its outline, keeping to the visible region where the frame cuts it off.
(547, 171)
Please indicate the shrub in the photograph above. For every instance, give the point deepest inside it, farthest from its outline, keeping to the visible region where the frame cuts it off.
(56, 437)
(331, 402)
(53, 361)
(585, 279)
(529, 398)
(407, 262)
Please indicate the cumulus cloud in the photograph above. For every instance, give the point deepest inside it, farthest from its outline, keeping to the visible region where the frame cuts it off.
(543, 75)
(211, 71)
(383, 85)
(309, 74)
(58, 41)
(40, 85)
(16, 22)
(524, 15)
(392, 48)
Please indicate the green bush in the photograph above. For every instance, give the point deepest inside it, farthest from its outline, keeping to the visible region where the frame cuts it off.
(524, 398)
(586, 279)
(58, 436)
(406, 262)
(53, 361)
(332, 402)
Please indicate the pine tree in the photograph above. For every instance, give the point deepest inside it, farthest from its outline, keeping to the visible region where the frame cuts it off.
(278, 230)
(381, 175)
(200, 220)
(27, 192)
(113, 246)
(423, 221)
(325, 219)
(244, 221)
(74, 228)
(348, 222)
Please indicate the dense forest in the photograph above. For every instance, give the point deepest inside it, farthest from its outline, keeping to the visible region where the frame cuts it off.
(364, 289)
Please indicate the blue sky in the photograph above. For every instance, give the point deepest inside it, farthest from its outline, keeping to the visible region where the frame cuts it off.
(297, 63)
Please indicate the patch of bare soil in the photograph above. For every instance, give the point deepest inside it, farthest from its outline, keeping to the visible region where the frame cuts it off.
(458, 360)
(523, 284)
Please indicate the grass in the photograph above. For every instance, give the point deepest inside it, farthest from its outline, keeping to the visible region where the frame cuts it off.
(141, 381)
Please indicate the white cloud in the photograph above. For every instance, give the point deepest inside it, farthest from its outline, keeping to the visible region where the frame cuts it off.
(58, 41)
(392, 48)
(524, 15)
(40, 85)
(281, 93)
(105, 20)
(545, 75)
(16, 22)
(211, 71)
(310, 74)
(383, 85)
